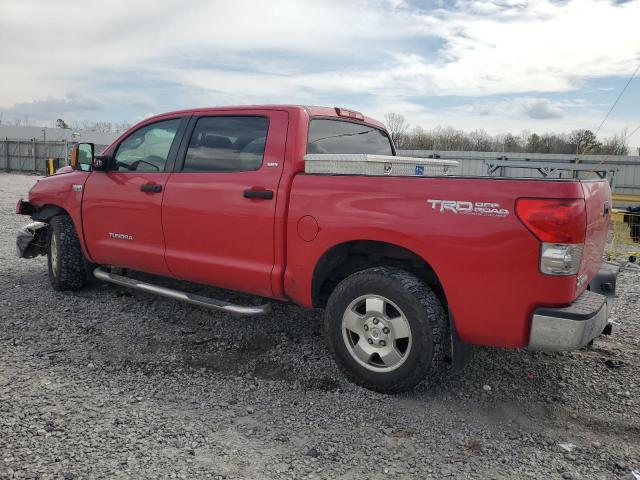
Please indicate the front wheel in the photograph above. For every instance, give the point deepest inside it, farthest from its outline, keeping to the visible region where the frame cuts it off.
(64, 254)
(387, 330)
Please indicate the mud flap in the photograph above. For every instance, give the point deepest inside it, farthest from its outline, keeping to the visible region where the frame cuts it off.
(461, 353)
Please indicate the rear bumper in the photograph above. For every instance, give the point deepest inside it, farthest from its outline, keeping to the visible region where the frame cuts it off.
(573, 327)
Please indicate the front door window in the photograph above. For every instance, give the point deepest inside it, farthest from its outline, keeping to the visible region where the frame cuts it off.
(147, 149)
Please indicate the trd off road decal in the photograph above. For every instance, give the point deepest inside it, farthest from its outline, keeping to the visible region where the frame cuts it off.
(487, 209)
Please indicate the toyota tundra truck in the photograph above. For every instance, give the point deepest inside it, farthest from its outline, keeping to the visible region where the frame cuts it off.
(410, 268)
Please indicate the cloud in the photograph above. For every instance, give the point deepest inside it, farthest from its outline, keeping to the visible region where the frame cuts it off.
(71, 102)
(149, 55)
(543, 110)
(535, 108)
(487, 46)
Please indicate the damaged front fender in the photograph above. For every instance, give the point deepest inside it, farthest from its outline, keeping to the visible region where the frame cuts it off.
(32, 240)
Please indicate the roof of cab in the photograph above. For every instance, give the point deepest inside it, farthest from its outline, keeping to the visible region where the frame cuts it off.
(311, 110)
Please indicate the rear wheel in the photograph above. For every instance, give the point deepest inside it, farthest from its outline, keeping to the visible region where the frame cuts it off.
(387, 330)
(66, 262)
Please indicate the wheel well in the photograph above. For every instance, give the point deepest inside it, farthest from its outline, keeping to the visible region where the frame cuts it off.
(347, 258)
(47, 212)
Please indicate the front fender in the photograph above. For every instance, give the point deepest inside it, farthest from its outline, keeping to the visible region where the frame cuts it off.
(61, 194)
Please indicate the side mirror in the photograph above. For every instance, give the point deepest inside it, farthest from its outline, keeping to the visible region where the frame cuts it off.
(101, 163)
(82, 157)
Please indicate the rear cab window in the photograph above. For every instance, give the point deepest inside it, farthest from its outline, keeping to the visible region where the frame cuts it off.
(341, 136)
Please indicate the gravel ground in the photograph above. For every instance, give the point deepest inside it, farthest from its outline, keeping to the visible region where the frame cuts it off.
(110, 383)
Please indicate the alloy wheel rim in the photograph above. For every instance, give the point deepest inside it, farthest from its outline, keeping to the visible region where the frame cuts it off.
(376, 333)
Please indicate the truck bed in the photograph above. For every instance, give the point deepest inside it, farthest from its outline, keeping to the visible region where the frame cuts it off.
(487, 262)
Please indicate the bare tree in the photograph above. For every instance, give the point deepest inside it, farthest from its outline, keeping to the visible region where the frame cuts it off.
(448, 138)
(616, 145)
(101, 126)
(511, 143)
(120, 127)
(585, 141)
(480, 141)
(397, 127)
(418, 139)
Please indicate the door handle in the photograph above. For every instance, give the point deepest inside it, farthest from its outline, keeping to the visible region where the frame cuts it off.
(264, 194)
(151, 188)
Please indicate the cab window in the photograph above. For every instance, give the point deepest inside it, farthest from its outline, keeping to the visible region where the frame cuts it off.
(338, 136)
(147, 149)
(227, 144)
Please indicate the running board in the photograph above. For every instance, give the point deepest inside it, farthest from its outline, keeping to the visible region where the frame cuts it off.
(100, 274)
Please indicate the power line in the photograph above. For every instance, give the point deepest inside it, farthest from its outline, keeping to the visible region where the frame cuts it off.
(624, 89)
(617, 99)
(634, 131)
(601, 162)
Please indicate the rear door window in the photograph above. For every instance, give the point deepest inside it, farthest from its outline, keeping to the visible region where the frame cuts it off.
(338, 136)
(227, 144)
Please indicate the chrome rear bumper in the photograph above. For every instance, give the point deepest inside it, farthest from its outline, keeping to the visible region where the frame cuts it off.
(573, 327)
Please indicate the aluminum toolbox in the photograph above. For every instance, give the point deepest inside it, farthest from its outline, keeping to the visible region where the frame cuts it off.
(383, 165)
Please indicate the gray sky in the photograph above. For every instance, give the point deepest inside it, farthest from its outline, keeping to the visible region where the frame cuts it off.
(501, 65)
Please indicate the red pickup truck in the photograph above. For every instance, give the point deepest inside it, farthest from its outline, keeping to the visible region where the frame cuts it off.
(410, 269)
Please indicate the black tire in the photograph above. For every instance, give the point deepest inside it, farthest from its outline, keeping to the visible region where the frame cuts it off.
(426, 358)
(67, 271)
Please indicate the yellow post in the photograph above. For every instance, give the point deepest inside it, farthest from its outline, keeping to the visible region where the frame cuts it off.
(50, 166)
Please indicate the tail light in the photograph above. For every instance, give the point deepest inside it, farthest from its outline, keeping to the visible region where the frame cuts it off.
(561, 225)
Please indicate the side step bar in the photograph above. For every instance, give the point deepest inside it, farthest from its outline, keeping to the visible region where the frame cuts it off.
(100, 274)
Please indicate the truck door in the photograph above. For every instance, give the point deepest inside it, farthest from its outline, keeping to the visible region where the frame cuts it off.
(121, 208)
(219, 206)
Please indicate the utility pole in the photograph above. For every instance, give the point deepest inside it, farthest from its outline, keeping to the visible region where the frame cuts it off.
(33, 155)
(44, 139)
(6, 152)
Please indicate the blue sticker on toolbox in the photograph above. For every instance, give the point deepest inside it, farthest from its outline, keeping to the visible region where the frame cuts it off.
(419, 169)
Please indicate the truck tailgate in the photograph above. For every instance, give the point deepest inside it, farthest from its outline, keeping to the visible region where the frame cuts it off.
(597, 196)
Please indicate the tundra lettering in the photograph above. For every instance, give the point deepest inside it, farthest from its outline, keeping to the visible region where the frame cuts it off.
(121, 236)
